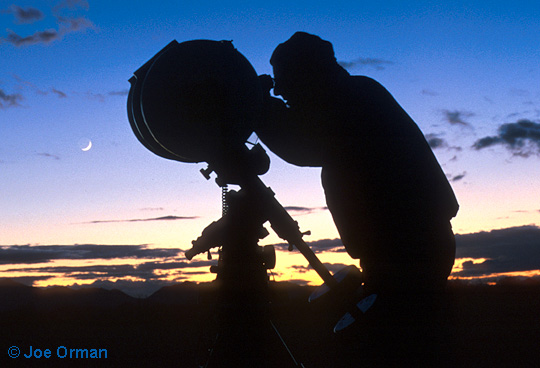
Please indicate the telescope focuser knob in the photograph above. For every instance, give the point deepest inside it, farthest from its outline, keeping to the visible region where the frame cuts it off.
(291, 246)
(263, 233)
(206, 172)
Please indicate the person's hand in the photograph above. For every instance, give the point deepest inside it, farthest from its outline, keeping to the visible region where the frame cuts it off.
(267, 83)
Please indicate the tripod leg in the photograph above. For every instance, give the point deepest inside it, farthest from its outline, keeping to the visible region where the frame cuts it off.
(295, 362)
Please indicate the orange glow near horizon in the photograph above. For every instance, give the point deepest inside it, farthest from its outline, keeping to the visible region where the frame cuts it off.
(525, 274)
(291, 266)
(458, 263)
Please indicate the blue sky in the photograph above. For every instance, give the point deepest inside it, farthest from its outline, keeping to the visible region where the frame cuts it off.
(464, 71)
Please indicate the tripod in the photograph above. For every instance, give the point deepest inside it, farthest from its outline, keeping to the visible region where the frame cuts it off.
(246, 335)
(244, 323)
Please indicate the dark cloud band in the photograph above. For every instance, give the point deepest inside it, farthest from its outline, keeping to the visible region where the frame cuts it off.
(435, 142)
(144, 270)
(304, 210)
(27, 254)
(27, 15)
(456, 117)
(161, 218)
(9, 100)
(522, 138)
(318, 246)
(65, 24)
(378, 64)
(514, 249)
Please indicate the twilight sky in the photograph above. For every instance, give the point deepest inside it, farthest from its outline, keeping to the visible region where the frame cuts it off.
(467, 72)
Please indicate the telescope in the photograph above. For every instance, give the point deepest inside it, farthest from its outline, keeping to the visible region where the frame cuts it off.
(198, 101)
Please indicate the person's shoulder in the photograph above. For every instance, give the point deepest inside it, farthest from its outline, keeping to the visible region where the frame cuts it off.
(366, 88)
(364, 81)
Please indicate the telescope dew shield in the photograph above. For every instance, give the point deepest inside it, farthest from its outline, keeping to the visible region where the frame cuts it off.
(194, 101)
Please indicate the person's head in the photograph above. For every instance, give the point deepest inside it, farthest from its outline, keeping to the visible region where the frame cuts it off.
(302, 67)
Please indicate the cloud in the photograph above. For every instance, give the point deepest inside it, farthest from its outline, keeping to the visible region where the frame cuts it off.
(95, 96)
(71, 4)
(65, 25)
(298, 210)
(318, 246)
(327, 245)
(456, 117)
(301, 268)
(30, 85)
(522, 138)
(9, 100)
(44, 37)
(24, 16)
(101, 96)
(519, 92)
(27, 254)
(428, 92)
(378, 64)
(45, 154)
(26, 84)
(136, 280)
(152, 209)
(145, 270)
(162, 218)
(30, 280)
(74, 24)
(458, 177)
(332, 267)
(162, 265)
(123, 92)
(60, 94)
(505, 250)
(436, 142)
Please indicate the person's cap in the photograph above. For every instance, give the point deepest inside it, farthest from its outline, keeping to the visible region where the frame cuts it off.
(304, 50)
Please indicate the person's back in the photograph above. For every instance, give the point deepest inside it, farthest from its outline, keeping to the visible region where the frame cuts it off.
(385, 188)
(388, 196)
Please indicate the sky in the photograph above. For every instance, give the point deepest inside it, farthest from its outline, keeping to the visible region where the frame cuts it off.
(83, 202)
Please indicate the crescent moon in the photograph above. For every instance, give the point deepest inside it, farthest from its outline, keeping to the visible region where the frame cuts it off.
(87, 148)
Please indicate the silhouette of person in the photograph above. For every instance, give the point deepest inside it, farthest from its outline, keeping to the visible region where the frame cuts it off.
(387, 194)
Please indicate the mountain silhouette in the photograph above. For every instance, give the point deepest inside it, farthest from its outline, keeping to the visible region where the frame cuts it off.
(481, 326)
(14, 295)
